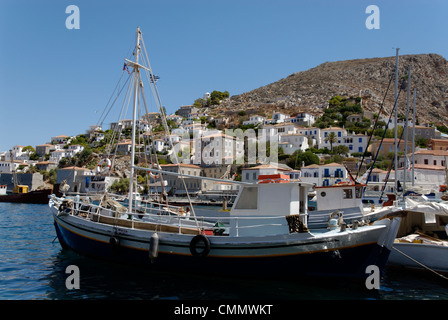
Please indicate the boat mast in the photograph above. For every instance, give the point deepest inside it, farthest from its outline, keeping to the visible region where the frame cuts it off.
(395, 130)
(405, 169)
(13, 169)
(134, 119)
(413, 137)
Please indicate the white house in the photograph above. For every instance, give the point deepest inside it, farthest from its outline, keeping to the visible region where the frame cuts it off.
(377, 179)
(278, 117)
(310, 173)
(427, 176)
(124, 147)
(74, 149)
(256, 119)
(18, 154)
(324, 175)
(175, 185)
(304, 119)
(57, 155)
(159, 144)
(293, 142)
(429, 157)
(215, 147)
(143, 125)
(171, 139)
(354, 142)
(275, 130)
(62, 139)
(9, 166)
(174, 117)
(77, 178)
(332, 173)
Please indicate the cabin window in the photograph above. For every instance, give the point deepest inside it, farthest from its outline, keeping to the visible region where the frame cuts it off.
(348, 194)
(248, 198)
(323, 193)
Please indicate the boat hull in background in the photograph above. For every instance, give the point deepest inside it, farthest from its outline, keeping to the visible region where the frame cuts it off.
(37, 196)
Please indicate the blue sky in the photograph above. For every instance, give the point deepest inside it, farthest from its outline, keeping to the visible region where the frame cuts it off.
(57, 81)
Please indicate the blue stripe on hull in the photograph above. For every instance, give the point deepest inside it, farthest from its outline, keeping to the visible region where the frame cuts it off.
(347, 262)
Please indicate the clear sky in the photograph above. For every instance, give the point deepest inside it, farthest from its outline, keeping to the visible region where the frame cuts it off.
(56, 81)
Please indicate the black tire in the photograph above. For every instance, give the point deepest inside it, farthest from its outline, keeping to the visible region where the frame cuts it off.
(115, 244)
(197, 242)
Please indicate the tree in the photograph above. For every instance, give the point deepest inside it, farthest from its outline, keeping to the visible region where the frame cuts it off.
(341, 150)
(217, 96)
(120, 186)
(335, 101)
(79, 139)
(29, 148)
(331, 138)
(298, 157)
(34, 156)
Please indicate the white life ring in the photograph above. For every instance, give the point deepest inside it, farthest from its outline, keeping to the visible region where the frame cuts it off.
(100, 169)
(154, 166)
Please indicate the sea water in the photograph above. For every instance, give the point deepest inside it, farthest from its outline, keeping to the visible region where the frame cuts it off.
(33, 266)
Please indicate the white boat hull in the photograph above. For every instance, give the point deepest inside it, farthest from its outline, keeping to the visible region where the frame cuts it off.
(413, 255)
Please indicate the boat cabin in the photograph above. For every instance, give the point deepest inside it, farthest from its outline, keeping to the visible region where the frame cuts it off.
(2, 190)
(341, 196)
(261, 209)
(20, 189)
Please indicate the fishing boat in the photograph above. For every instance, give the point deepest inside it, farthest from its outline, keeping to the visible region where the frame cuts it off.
(21, 193)
(265, 233)
(422, 238)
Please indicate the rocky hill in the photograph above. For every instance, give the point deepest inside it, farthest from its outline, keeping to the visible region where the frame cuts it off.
(369, 78)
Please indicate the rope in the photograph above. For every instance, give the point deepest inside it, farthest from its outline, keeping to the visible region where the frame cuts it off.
(421, 264)
(156, 95)
(374, 126)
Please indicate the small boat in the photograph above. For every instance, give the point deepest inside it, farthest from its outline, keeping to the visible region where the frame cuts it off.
(21, 194)
(422, 238)
(266, 232)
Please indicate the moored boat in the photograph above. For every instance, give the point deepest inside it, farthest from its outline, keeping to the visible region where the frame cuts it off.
(422, 238)
(21, 193)
(37, 196)
(260, 236)
(266, 233)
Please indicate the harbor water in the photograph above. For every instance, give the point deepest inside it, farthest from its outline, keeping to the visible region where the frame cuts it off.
(33, 266)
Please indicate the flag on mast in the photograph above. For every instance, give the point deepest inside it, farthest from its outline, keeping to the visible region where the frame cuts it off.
(125, 67)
